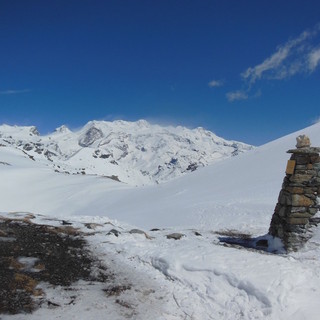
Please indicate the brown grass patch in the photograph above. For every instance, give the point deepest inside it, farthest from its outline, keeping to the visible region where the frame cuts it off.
(62, 258)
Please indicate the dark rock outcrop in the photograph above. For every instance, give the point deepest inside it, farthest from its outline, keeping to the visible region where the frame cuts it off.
(92, 135)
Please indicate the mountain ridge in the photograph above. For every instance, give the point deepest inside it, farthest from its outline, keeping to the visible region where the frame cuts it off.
(136, 153)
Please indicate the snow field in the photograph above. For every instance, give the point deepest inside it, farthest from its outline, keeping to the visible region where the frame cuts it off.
(192, 278)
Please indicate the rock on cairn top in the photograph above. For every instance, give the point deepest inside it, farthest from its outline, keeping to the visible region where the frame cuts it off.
(294, 214)
(303, 141)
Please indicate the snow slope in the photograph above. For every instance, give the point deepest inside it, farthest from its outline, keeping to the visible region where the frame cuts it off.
(233, 192)
(197, 277)
(135, 152)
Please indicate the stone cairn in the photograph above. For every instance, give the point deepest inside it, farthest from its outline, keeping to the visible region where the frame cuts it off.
(297, 203)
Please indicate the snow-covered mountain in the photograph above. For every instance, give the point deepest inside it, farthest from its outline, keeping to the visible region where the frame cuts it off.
(136, 153)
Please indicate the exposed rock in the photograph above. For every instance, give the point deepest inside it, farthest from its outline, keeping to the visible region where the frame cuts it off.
(5, 163)
(105, 156)
(62, 129)
(114, 232)
(175, 236)
(137, 231)
(34, 131)
(116, 290)
(303, 141)
(192, 167)
(49, 154)
(92, 225)
(90, 137)
(66, 223)
(28, 147)
(113, 177)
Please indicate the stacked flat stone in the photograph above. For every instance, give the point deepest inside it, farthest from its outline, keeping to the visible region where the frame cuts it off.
(297, 202)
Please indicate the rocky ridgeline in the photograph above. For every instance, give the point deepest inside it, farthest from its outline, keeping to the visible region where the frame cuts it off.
(297, 205)
(136, 153)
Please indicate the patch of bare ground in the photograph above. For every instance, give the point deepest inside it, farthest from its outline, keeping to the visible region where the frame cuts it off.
(32, 253)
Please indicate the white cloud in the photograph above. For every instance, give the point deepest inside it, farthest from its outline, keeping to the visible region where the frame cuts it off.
(271, 63)
(298, 55)
(314, 59)
(236, 95)
(14, 91)
(215, 83)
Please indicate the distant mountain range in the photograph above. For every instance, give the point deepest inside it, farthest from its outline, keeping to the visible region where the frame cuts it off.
(136, 153)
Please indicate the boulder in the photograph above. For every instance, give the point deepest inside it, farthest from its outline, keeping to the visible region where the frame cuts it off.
(137, 231)
(114, 232)
(303, 141)
(175, 236)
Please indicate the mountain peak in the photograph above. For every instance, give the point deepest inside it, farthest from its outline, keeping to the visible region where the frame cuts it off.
(62, 129)
(16, 130)
(90, 136)
(34, 130)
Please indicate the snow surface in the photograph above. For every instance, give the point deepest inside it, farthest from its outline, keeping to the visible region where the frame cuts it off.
(192, 278)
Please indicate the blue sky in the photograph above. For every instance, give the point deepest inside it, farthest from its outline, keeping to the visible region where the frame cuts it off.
(247, 70)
